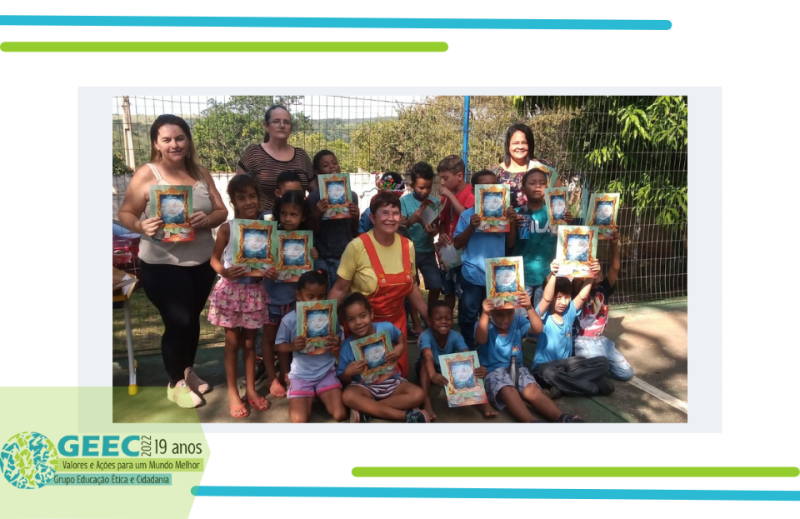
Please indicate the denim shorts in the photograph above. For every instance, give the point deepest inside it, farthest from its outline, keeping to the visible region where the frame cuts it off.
(426, 264)
(276, 313)
(450, 280)
(500, 378)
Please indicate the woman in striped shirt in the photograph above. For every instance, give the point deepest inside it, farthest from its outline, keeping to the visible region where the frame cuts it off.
(268, 159)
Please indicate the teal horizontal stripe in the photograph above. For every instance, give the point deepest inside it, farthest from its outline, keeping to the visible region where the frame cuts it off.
(220, 46)
(344, 23)
(498, 493)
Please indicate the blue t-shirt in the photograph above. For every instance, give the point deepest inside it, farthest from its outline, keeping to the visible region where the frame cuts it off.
(496, 352)
(455, 343)
(304, 367)
(481, 245)
(346, 353)
(539, 250)
(364, 223)
(555, 341)
(281, 294)
(423, 242)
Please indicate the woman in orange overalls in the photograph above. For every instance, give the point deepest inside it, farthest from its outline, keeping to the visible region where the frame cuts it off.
(380, 265)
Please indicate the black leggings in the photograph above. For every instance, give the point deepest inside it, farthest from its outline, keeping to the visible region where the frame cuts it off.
(179, 294)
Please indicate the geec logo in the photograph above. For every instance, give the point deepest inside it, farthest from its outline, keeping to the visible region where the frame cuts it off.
(28, 460)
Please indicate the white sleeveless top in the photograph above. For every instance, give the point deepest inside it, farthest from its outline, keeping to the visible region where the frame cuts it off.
(184, 254)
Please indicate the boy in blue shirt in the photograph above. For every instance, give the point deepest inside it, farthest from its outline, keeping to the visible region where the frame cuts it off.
(554, 367)
(499, 335)
(392, 399)
(477, 246)
(412, 206)
(440, 339)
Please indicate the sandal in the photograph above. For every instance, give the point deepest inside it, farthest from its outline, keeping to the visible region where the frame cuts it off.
(262, 404)
(277, 390)
(239, 411)
(569, 418)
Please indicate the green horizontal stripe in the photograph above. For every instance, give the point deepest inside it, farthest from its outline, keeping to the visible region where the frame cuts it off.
(222, 46)
(576, 472)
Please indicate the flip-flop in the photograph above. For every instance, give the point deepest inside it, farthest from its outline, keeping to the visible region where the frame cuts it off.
(239, 411)
(569, 418)
(261, 404)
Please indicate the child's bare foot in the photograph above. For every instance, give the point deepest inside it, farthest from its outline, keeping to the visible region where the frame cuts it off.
(276, 389)
(429, 409)
(238, 407)
(487, 410)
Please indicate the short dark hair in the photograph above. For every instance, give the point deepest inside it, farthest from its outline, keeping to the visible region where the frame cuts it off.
(439, 303)
(421, 170)
(396, 181)
(479, 174)
(383, 199)
(292, 175)
(563, 286)
(354, 299)
(239, 183)
(318, 157)
(312, 277)
(514, 128)
(531, 172)
(451, 164)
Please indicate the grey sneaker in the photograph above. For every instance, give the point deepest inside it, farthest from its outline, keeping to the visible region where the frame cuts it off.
(417, 416)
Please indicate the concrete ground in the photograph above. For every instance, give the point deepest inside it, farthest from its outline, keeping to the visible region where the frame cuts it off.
(653, 337)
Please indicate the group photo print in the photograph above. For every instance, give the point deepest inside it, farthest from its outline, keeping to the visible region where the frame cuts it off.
(412, 259)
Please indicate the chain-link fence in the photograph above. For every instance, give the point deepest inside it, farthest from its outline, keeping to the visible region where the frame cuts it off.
(632, 145)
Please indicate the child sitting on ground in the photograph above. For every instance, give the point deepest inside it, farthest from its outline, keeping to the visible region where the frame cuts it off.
(589, 338)
(499, 334)
(393, 399)
(440, 339)
(554, 367)
(311, 375)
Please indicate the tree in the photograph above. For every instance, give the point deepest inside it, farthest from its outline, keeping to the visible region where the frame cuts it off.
(224, 130)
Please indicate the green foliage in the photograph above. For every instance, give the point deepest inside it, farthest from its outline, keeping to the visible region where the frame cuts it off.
(612, 135)
(120, 168)
(224, 130)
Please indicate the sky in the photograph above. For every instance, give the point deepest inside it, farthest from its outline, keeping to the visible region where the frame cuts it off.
(317, 107)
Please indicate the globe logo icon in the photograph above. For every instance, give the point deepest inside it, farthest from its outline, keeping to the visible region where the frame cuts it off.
(28, 460)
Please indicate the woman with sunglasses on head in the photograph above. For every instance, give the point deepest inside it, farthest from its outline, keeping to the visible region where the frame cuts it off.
(275, 155)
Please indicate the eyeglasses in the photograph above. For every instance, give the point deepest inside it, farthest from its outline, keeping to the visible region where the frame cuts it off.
(279, 122)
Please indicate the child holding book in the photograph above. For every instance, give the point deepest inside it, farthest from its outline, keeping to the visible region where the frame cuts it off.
(477, 247)
(499, 335)
(539, 250)
(412, 207)
(392, 399)
(389, 181)
(330, 236)
(457, 196)
(590, 325)
(554, 367)
(311, 375)
(292, 213)
(440, 339)
(239, 303)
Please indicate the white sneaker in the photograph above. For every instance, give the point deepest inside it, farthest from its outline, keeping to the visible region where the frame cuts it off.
(182, 395)
(199, 386)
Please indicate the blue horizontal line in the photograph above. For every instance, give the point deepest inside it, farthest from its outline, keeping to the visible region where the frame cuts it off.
(499, 493)
(349, 23)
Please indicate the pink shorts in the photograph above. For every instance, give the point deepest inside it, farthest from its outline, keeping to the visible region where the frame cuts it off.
(299, 388)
